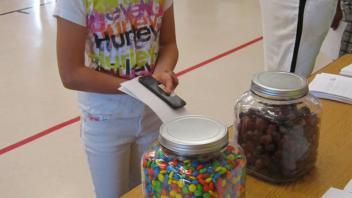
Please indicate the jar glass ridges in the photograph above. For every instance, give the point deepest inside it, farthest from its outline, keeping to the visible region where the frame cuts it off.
(279, 136)
(218, 172)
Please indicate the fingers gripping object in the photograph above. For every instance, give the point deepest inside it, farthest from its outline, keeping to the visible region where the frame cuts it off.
(154, 86)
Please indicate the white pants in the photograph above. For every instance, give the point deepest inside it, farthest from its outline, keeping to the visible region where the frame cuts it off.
(293, 33)
(115, 140)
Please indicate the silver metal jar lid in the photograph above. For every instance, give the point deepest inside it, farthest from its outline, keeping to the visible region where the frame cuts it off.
(279, 85)
(193, 135)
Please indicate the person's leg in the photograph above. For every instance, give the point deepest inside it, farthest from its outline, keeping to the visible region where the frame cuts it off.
(107, 142)
(318, 16)
(293, 32)
(279, 23)
(147, 135)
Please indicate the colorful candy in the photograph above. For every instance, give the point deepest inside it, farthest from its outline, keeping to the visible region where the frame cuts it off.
(168, 175)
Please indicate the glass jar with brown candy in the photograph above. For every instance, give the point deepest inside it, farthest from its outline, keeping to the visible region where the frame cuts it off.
(277, 124)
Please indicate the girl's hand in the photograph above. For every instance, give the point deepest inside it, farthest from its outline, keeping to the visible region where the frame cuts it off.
(168, 78)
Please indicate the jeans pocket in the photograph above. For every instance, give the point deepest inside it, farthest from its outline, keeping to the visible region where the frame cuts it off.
(104, 132)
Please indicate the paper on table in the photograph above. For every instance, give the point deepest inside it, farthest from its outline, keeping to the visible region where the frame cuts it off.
(333, 87)
(137, 90)
(337, 193)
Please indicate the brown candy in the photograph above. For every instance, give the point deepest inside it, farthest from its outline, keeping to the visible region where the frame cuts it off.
(280, 141)
(261, 124)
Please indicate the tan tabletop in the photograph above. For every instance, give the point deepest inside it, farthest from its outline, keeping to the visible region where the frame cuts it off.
(334, 164)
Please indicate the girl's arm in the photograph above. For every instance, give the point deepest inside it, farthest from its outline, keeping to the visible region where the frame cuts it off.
(168, 53)
(70, 46)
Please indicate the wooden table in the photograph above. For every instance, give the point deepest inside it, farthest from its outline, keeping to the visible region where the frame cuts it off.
(334, 164)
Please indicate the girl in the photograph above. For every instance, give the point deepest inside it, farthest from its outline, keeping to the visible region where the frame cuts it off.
(100, 44)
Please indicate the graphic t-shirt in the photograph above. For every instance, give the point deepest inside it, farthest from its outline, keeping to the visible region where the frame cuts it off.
(123, 35)
(122, 40)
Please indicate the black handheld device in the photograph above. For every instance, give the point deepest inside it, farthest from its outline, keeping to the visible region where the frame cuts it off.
(150, 83)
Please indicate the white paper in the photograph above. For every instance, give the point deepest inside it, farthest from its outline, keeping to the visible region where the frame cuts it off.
(332, 42)
(337, 193)
(348, 187)
(333, 87)
(347, 71)
(137, 90)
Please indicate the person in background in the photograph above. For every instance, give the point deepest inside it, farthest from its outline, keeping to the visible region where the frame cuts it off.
(344, 12)
(100, 44)
(294, 31)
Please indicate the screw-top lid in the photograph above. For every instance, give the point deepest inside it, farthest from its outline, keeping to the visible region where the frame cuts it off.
(279, 85)
(193, 135)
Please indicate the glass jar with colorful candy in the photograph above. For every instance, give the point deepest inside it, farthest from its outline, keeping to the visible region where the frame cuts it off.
(277, 124)
(193, 158)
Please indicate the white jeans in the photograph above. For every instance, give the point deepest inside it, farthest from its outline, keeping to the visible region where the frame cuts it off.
(115, 140)
(293, 33)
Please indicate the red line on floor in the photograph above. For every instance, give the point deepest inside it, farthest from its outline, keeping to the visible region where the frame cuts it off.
(76, 119)
(39, 135)
(219, 56)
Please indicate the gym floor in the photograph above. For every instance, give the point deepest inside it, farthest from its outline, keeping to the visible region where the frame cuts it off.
(220, 46)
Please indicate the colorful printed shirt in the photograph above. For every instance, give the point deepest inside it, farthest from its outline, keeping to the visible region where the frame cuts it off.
(123, 35)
